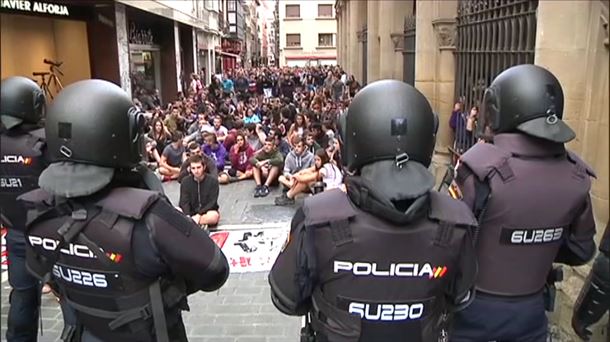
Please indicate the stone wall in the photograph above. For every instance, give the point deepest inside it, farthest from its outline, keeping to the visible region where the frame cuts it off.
(578, 55)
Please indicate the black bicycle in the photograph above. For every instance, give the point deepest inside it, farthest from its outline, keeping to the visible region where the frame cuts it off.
(50, 78)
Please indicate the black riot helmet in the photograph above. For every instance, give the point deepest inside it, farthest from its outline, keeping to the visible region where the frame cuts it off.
(388, 120)
(21, 100)
(526, 98)
(95, 122)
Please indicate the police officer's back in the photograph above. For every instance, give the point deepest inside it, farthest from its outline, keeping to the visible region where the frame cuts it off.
(389, 259)
(124, 259)
(531, 196)
(22, 147)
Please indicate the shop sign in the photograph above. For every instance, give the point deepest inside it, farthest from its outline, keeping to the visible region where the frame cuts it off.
(35, 7)
(231, 46)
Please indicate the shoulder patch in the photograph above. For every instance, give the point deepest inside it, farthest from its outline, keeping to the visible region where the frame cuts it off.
(445, 208)
(331, 205)
(484, 158)
(129, 202)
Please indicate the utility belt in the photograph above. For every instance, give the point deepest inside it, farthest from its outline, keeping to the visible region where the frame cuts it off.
(548, 292)
(166, 302)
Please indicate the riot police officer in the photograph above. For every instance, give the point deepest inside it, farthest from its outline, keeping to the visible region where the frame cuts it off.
(594, 299)
(123, 258)
(388, 259)
(22, 105)
(531, 197)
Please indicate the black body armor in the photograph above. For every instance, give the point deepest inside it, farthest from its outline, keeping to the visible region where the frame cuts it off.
(21, 163)
(365, 278)
(91, 258)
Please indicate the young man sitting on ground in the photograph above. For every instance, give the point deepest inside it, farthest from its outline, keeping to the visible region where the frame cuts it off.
(215, 150)
(210, 164)
(298, 159)
(267, 165)
(172, 157)
(199, 194)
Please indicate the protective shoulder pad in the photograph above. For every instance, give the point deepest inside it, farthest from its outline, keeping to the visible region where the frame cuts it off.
(36, 197)
(446, 209)
(581, 164)
(128, 202)
(328, 206)
(38, 134)
(482, 159)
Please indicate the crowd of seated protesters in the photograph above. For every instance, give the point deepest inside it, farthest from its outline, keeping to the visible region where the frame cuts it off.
(274, 125)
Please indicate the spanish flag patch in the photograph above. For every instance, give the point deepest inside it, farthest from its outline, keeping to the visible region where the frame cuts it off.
(454, 191)
(115, 257)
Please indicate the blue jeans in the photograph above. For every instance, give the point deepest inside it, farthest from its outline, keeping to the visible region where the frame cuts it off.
(22, 322)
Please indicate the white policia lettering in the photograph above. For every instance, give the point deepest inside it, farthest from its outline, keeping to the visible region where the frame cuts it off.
(395, 269)
(80, 277)
(40, 7)
(10, 183)
(51, 245)
(387, 312)
(12, 159)
(536, 236)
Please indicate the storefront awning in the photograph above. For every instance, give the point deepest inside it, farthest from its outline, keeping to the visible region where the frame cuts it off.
(227, 54)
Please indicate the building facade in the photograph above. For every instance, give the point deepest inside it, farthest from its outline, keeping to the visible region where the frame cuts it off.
(231, 50)
(447, 49)
(307, 31)
(143, 46)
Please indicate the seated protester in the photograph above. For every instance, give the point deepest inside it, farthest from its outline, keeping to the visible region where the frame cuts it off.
(199, 194)
(172, 158)
(303, 180)
(210, 164)
(199, 127)
(334, 151)
(215, 150)
(220, 130)
(251, 118)
(319, 135)
(160, 136)
(256, 136)
(267, 164)
(298, 127)
(282, 145)
(173, 121)
(310, 142)
(330, 173)
(151, 157)
(298, 159)
(240, 155)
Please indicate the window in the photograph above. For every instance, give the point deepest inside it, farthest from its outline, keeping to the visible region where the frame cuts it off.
(293, 40)
(293, 11)
(325, 39)
(231, 5)
(325, 10)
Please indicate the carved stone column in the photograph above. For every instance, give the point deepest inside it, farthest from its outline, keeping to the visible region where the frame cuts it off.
(123, 47)
(178, 55)
(445, 29)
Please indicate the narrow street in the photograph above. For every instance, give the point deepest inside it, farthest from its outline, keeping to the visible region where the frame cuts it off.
(241, 311)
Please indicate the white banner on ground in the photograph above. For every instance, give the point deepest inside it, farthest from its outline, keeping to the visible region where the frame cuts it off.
(251, 250)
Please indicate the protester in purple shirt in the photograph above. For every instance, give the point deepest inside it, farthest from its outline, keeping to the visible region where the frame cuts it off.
(215, 150)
